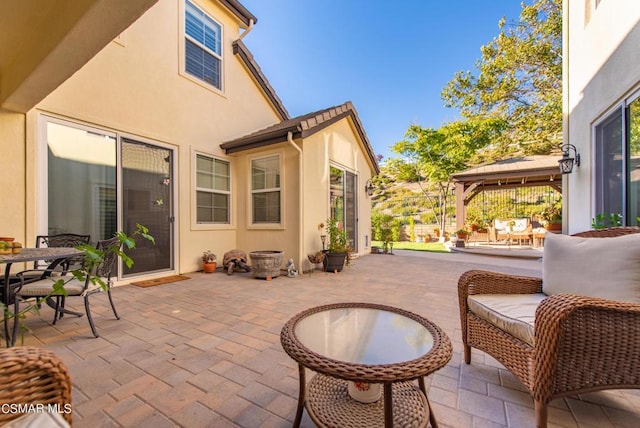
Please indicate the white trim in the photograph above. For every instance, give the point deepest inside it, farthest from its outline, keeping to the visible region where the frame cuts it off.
(194, 188)
(281, 160)
(182, 68)
(42, 177)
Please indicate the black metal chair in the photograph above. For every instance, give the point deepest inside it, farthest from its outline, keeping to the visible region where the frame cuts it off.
(103, 270)
(61, 240)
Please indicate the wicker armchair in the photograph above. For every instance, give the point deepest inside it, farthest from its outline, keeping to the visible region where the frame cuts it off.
(33, 376)
(581, 344)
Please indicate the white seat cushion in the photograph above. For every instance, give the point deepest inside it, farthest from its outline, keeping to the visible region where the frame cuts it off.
(512, 313)
(39, 420)
(45, 286)
(520, 224)
(608, 268)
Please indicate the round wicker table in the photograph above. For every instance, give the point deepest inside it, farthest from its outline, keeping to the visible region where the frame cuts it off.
(364, 342)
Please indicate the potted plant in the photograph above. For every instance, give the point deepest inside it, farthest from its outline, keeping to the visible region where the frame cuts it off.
(209, 261)
(461, 236)
(551, 216)
(462, 233)
(337, 251)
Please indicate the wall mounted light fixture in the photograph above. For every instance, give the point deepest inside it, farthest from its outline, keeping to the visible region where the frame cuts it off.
(369, 188)
(566, 163)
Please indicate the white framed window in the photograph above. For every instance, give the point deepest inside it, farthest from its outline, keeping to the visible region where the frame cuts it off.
(266, 201)
(202, 46)
(617, 162)
(213, 190)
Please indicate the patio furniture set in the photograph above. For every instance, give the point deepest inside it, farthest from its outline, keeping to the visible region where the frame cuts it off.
(575, 330)
(59, 255)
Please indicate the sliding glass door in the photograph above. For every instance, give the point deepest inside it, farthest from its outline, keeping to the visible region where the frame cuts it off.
(146, 199)
(98, 182)
(81, 184)
(617, 167)
(343, 202)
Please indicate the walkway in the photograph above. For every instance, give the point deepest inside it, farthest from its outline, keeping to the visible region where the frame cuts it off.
(206, 352)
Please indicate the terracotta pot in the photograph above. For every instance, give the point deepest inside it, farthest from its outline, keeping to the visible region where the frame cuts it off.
(553, 226)
(209, 267)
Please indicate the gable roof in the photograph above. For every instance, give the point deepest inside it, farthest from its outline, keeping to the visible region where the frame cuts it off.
(302, 127)
(241, 50)
(240, 11)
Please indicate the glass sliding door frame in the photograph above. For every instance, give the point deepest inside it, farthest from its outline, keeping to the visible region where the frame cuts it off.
(105, 213)
(343, 202)
(616, 144)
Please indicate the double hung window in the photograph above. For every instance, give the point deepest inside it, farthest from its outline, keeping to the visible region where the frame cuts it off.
(265, 190)
(213, 190)
(202, 46)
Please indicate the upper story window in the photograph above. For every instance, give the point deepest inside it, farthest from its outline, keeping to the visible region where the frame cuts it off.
(213, 190)
(203, 46)
(265, 190)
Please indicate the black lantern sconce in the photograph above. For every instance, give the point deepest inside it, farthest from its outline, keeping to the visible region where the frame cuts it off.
(369, 188)
(566, 163)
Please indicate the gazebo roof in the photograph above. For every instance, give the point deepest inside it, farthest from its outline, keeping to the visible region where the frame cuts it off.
(526, 171)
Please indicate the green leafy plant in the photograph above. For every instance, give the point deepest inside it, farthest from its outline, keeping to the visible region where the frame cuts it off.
(552, 213)
(337, 237)
(602, 220)
(462, 233)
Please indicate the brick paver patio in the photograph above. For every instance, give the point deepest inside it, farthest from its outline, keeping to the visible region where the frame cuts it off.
(206, 352)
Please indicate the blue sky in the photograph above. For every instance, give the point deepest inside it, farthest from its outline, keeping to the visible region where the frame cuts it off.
(390, 58)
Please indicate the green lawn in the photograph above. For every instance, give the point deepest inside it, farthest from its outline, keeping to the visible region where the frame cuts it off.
(436, 247)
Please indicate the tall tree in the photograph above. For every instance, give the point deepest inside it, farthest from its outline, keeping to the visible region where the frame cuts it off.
(429, 157)
(519, 81)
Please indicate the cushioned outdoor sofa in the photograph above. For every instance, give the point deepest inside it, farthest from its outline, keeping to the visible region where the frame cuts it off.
(575, 330)
(517, 228)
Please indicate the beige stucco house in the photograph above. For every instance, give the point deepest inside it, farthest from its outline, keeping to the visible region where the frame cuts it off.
(117, 112)
(601, 63)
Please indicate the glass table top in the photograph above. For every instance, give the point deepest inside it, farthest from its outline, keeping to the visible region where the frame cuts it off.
(364, 336)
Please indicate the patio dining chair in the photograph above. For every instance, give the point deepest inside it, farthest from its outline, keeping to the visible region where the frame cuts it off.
(104, 269)
(61, 240)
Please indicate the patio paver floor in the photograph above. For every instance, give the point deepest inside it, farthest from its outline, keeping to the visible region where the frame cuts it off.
(206, 352)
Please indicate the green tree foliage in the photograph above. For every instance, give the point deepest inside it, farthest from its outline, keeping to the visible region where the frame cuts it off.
(429, 157)
(519, 82)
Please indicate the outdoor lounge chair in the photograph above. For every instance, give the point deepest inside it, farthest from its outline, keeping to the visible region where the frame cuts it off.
(74, 287)
(546, 332)
(34, 376)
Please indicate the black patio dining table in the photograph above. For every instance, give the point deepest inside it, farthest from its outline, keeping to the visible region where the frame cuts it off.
(54, 255)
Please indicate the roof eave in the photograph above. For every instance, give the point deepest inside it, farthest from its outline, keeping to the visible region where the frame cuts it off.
(241, 50)
(240, 11)
(253, 141)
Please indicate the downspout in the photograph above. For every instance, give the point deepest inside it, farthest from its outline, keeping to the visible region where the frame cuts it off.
(249, 28)
(301, 203)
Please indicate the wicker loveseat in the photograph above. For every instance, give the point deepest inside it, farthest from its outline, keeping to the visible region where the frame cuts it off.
(560, 343)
